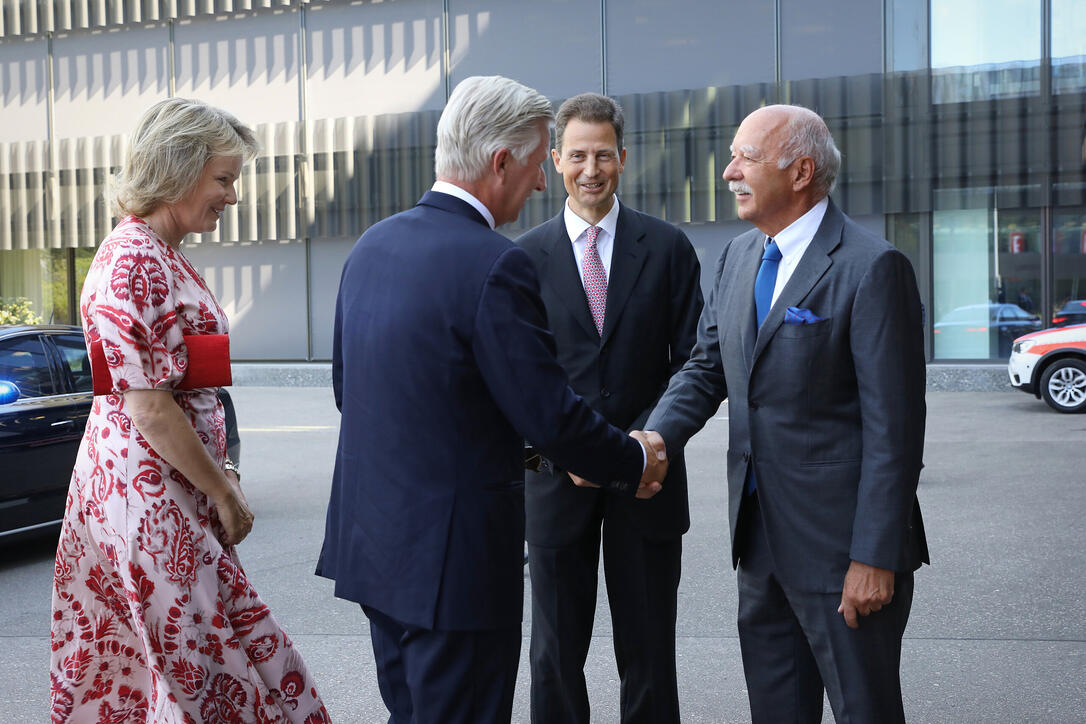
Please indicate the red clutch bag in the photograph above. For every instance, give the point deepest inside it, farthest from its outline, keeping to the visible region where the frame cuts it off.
(209, 364)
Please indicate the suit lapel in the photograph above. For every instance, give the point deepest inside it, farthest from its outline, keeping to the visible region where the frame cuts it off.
(563, 275)
(741, 284)
(627, 258)
(814, 264)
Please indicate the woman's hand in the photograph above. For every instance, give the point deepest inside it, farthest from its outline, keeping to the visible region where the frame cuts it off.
(234, 513)
(235, 483)
(165, 426)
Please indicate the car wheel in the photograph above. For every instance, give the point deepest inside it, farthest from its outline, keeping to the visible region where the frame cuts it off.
(1063, 385)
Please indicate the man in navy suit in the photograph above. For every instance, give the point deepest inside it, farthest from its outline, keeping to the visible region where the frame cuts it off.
(620, 342)
(813, 332)
(442, 366)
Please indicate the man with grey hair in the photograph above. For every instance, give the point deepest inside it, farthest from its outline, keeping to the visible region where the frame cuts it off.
(813, 333)
(442, 366)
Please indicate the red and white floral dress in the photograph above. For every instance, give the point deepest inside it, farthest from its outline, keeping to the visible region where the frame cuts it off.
(153, 619)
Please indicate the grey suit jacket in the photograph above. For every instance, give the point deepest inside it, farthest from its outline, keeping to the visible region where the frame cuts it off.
(830, 414)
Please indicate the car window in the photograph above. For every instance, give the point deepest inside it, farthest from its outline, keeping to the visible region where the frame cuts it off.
(24, 363)
(74, 351)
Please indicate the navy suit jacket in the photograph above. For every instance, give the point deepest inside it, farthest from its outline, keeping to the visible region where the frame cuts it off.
(830, 414)
(653, 303)
(442, 366)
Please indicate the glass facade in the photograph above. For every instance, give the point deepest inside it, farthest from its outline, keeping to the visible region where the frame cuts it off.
(960, 122)
(982, 49)
(46, 277)
(1068, 46)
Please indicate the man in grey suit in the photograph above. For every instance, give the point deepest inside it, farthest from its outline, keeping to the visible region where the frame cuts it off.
(813, 332)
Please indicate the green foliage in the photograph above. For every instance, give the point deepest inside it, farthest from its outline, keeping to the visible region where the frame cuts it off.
(17, 310)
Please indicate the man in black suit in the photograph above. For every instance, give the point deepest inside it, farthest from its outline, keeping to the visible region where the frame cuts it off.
(813, 332)
(622, 294)
(442, 366)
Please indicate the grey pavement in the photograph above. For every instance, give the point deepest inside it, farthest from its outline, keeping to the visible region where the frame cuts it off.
(997, 633)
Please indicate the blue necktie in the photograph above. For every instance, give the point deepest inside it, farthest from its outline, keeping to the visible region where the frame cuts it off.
(763, 300)
(766, 280)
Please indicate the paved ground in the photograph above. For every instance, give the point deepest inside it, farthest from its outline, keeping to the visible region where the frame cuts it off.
(998, 631)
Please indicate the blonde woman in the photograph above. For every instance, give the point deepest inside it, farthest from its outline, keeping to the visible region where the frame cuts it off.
(153, 617)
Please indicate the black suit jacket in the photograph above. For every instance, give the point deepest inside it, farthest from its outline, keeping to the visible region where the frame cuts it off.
(653, 302)
(442, 365)
(830, 414)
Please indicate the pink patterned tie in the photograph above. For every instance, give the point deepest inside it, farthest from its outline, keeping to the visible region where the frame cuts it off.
(595, 278)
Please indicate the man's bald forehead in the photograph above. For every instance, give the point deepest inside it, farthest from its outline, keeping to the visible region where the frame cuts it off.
(785, 113)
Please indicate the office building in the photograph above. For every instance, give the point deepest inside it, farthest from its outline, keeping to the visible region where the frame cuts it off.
(960, 122)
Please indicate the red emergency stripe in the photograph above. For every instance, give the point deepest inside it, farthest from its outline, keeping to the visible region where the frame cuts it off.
(1043, 349)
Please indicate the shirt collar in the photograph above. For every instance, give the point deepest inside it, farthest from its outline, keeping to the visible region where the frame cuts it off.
(445, 187)
(575, 225)
(795, 237)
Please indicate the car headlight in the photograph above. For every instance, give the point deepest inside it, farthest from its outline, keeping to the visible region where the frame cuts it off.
(1023, 345)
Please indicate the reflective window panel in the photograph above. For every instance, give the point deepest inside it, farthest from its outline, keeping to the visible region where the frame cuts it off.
(986, 274)
(982, 49)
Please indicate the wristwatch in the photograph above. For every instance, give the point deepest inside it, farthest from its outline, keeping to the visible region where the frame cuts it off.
(232, 467)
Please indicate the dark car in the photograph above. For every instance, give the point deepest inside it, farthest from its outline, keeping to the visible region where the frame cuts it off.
(1074, 312)
(982, 330)
(45, 399)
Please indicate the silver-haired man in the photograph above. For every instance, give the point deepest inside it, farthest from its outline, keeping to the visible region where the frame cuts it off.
(813, 333)
(442, 366)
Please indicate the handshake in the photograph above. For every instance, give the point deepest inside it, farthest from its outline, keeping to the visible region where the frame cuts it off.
(655, 465)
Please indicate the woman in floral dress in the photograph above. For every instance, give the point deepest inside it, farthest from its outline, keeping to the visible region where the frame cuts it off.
(153, 617)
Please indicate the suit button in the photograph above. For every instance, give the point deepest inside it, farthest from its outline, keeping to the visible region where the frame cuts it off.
(752, 406)
(605, 393)
(746, 456)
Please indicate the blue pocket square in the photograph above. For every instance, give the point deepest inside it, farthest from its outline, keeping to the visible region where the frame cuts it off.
(799, 315)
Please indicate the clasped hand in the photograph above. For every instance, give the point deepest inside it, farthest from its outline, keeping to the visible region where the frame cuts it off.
(234, 513)
(655, 465)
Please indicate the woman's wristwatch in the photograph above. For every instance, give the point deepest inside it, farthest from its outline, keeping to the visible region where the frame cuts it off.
(232, 467)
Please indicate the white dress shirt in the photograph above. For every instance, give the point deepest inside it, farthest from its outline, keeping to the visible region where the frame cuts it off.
(577, 229)
(453, 190)
(793, 241)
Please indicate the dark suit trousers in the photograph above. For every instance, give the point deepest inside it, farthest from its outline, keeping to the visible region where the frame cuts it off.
(444, 677)
(642, 586)
(795, 644)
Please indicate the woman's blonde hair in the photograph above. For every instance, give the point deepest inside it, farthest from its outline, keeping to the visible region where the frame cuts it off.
(167, 152)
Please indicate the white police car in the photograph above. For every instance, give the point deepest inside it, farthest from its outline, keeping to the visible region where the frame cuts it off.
(1051, 364)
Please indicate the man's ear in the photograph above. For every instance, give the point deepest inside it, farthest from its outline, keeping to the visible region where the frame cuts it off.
(499, 161)
(557, 158)
(803, 173)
